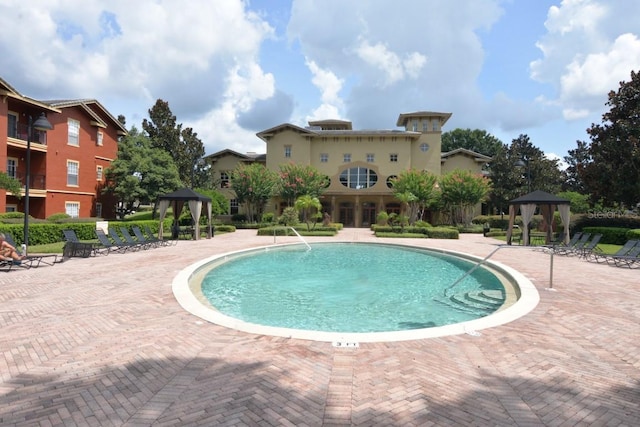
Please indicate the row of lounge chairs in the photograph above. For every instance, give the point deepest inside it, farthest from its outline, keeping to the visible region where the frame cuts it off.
(585, 246)
(113, 242)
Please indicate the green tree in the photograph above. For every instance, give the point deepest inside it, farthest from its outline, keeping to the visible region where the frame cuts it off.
(610, 168)
(461, 192)
(140, 173)
(299, 180)
(11, 184)
(510, 180)
(183, 145)
(416, 190)
(309, 206)
(254, 185)
(475, 140)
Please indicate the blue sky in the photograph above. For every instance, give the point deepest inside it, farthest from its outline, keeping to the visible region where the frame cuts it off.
(232, 68)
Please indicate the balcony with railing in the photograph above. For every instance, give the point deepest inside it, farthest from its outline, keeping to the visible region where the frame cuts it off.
(36, 182)
(21, 132)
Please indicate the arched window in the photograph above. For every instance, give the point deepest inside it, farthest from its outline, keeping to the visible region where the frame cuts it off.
(358, 178)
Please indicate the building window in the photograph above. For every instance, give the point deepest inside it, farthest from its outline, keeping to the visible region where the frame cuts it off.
(371, 157)
(12, 119)
(11, 208)
(99, 140)
(346, 157)
(425, 126)
(72, 173)
(287, 151)
(99, 173)
(72, 209)
(98, 209)
(436, 125)
(12, 167)
(324, 157)
(393, 158)
(73, 137)
(233, 205)
(358, 178)
(414, 126)
(424, 147)
(225, 181)
(390, 180)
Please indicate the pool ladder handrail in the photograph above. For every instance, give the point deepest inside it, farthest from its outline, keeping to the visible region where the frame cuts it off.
(484, 260)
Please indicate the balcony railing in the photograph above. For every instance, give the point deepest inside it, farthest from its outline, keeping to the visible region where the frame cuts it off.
(21, 132)
(36, 182)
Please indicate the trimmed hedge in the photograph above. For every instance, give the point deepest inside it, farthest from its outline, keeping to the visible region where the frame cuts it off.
(633, 234)
(401, 235)
(442, 233)
(610, 235)
(279, 230)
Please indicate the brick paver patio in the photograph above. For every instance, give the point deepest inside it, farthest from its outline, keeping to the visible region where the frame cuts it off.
(103, 342)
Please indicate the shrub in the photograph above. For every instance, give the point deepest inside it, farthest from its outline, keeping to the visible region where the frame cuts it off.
(267, 217)
(442, 233)
(289, 216)
(59, 217)
(382, 218)
(633, 234)
(239, 218)
(610, 235)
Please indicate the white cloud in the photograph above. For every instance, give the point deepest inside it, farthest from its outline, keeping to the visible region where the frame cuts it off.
(329, 85)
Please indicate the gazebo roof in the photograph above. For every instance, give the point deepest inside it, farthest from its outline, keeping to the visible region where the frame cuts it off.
(185, 194)
(540, 197)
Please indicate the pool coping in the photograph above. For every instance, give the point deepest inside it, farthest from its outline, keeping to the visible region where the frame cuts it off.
(193, 302)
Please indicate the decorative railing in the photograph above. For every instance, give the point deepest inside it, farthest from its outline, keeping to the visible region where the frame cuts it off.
(21, 131)
(36, 182)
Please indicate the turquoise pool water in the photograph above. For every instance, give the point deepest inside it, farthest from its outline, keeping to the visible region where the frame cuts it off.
(350, 287)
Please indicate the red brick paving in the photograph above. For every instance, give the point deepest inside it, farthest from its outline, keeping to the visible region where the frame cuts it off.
(103, 342)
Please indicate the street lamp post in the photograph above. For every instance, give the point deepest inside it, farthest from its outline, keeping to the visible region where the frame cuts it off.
(40, 124)
(524, 163)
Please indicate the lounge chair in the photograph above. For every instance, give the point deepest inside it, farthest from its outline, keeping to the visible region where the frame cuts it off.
(630, 259)
(30, 261)
(142, 238)
(129, 239)
(591, 245)
(113, 235)
(598, 256)
(108, 244)
(75, 248)
(577, 244)
(152, 236)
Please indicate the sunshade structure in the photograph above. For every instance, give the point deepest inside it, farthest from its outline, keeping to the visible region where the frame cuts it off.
(177, 199)
(548, 204)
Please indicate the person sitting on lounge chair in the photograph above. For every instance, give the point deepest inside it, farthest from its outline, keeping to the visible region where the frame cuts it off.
(8, 252)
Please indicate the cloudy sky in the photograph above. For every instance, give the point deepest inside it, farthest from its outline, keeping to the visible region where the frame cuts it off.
(231, 68)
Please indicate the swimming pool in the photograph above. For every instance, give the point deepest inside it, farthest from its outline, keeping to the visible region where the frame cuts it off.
(338, 291)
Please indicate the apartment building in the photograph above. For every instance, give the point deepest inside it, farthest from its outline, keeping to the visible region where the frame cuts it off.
(359, 163)
(67, 163)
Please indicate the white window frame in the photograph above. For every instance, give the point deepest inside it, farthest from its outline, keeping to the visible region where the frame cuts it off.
(324, 157)
(73, 132)
(234, 207)
(77, 175)
(371, 158)
(99, 173)
(100, 138)
(12, 171)
(72, 209)
(98, 209)
(225, 179)
(11, 208)
(346, 157)
(287, 151)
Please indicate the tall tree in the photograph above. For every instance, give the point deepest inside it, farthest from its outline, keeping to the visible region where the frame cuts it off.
(475, 140)
(299, 180)
(521, 167)
(254, 185)
(183, 145)
(140, 173)
(610, 168)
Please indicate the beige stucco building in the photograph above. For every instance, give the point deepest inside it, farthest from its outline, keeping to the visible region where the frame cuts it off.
(360, 163)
